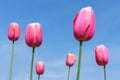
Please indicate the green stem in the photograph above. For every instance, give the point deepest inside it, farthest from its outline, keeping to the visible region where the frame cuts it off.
(104, 72)
(38, 77)
(79, 61)
(31, 69)
(11, 63)
(68, 73)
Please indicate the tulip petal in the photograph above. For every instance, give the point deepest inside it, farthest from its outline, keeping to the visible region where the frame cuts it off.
(29, 37)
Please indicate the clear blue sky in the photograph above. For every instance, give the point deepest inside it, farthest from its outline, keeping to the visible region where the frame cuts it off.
(56, 17)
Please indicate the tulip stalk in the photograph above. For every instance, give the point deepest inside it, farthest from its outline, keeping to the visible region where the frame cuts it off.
(104, 72)
(79, 61)
(38, 77)
(11, 62)
(32, 62)
(68, 73)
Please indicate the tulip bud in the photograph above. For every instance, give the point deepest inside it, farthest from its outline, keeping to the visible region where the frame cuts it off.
(14, 32)
(40, 68)
(84, 24)
(33, 36)
(101, 54)
(70, 59)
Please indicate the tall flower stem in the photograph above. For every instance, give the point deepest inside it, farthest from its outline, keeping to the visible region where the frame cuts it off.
(11, 63)
(68, 73)
(32, 62)
(38, 77)
(104, 72)
(79, 61)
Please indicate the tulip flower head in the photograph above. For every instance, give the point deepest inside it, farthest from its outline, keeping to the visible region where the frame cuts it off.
(33, 36)
(70, 59)
(14, 32)
(84, 24)
(40, 68)
(101, 54)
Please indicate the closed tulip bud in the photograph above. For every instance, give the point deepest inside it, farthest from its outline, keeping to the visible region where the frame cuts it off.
(33, 36)
(40, 68)
(84, 24)
(70, 59)
(101, 54)
(14, 32)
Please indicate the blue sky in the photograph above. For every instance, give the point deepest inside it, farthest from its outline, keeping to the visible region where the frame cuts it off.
(56, 17)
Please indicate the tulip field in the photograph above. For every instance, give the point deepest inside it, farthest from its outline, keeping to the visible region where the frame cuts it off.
(59, 40)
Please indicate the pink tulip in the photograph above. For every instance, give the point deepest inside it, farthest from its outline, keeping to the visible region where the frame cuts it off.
(101, 53)
(40, 68)
(84, 24)
(33, 36)
(70, 59)
(14, 32)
